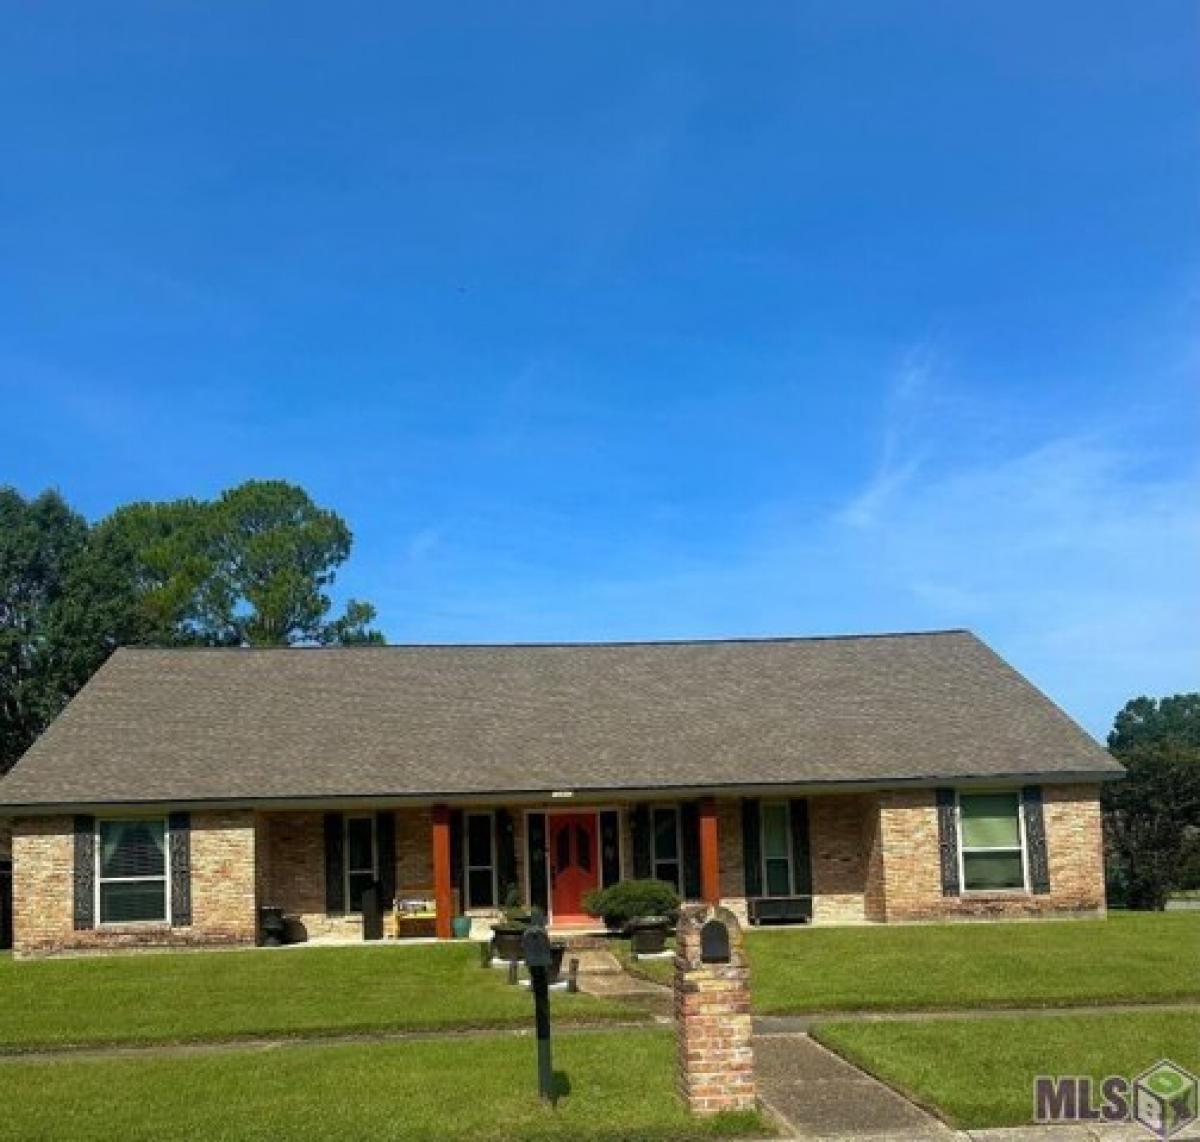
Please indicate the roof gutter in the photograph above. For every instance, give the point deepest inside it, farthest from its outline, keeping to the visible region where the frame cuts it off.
(566, 795)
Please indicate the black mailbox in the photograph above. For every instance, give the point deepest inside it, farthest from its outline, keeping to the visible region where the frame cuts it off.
(714, 943)
(537, 948)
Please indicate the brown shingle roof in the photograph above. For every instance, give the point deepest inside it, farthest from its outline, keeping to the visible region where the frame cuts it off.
(195, 725)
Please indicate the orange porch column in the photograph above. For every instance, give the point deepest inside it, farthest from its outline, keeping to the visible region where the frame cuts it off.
(442, 891)
(710, 863)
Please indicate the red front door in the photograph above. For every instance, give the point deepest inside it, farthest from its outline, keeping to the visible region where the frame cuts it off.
(573, 863)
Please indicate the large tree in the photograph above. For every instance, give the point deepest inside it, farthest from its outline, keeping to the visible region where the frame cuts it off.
(40, 539)
(1152, 817)
(252, 568)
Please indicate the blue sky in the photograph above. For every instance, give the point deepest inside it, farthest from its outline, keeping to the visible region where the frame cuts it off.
(637, 320)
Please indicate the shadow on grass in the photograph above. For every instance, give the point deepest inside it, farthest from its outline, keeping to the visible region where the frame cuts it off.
(560, 1086)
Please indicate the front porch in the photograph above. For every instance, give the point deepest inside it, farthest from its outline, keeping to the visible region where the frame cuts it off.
(476, 860)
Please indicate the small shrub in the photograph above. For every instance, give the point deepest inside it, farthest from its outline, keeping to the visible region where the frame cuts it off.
(630, 899)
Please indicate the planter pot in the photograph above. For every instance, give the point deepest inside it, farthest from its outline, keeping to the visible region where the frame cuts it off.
(461, 927)
(508, 941)
(557, 952)
(649, 935)
(272, 925)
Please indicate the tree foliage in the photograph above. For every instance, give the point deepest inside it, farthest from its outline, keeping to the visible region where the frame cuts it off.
(252, 568)
(39, 541)
(1152, 817)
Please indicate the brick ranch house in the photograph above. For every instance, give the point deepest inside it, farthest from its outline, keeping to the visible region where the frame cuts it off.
(859, 778)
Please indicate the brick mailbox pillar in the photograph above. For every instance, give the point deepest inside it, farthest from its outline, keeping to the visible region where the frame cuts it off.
(712, 1013)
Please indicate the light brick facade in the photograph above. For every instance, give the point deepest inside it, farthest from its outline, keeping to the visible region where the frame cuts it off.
(223, 889)
(712, 1019)
(905, 873)
(874, 857)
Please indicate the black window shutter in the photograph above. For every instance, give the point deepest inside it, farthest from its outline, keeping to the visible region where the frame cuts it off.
(751, 847)
(689, 826)
(1035, 839)
(335, 864)
(610, 847)
(456, 853)
(85, 872)
(179, 833)
(640, 827)
(535, 845)
(948, 842)
(385, 847)
(506, 858)
(801, 858)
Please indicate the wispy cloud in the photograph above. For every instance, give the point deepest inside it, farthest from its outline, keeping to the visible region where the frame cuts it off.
(900, 458)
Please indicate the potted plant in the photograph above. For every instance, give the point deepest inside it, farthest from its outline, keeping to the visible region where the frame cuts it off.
(557, 951)
(641, 908)
(648, 934)
(508, 941)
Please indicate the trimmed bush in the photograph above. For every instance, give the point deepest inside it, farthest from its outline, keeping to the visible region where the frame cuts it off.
(631, 899)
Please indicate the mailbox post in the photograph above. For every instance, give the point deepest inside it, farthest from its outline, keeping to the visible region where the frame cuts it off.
(538, 960)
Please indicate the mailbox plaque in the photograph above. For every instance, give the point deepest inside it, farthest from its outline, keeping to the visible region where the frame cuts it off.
(714, 943)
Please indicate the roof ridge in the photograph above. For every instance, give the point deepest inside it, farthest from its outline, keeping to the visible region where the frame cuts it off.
(581, 643)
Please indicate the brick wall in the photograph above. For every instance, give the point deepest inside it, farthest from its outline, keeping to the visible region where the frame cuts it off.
(906, 874)
(839, 866)
(223, 889)
(712, 1019)
(729, 852)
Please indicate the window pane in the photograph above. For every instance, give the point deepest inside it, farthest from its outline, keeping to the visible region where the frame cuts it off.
(668, 870)
(359, 854)
(990, 820)
(479, 840)
(133, 900)
(359, 883)
(777, 840)
(666, 837)
(992, 870)
(131, 848)
(479, 889)
(778, 882)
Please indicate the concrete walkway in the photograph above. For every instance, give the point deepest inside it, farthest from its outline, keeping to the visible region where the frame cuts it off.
(816, 1094)
(796, 1024)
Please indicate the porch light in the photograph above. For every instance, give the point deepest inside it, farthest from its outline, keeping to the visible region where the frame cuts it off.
(562, 794)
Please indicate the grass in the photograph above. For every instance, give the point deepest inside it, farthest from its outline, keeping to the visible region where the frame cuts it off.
(656, 971)
(979, 1073)
(394, 1091)
(1128, 958)
(181, 997)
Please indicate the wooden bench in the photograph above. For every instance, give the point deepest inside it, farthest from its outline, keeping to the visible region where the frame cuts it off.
(420, 922)
(413, 922)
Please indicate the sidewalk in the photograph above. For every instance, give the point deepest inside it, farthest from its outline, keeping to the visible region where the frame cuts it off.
(819, 1095)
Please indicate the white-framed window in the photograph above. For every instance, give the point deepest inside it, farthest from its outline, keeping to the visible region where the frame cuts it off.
(778, 876)
(479, 859)
(991, 842)
(362, 860)
(131, 870)
(667, 864)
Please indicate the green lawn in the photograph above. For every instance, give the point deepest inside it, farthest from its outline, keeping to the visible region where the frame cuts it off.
(306, 991)
(656, 971)
(618, 1086)
(979, 1073)
(1128, 958)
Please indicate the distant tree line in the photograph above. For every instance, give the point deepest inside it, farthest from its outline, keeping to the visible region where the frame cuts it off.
(250, 568)
(1152, 816)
